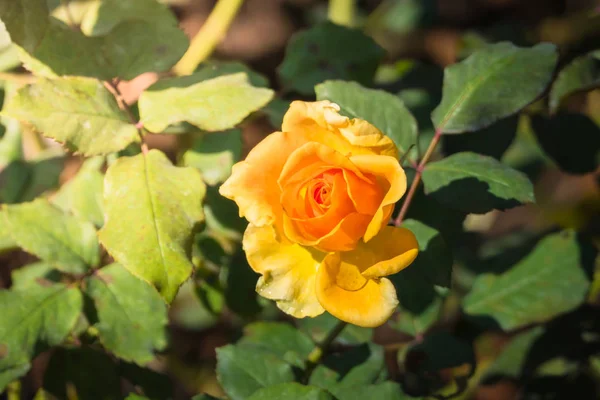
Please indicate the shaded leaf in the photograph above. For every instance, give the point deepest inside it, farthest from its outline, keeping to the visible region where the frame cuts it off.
(329, 51)
(82, 195)
(11, 144)
(242, 370)
(583, 73)
(25, 20)
(491, 84)
(291, 390)
(548, 282)
(214, 155)
(31, 321)
(282, 340)
(89, 373)
(132, 315)
(512, 359)
(318, 328)
(386, 390)
(571, 140)
(474, 183)
(275, 111)
(153, 384)
(240, 290)
(79, 112)
(30, 276)
(213, 105)
(147, 198)
(384, 110)
(416, 323)
(62, 240)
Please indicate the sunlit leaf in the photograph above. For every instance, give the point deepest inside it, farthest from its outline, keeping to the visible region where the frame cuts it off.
(581, 74)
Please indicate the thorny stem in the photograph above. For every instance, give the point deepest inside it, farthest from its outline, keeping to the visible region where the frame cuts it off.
(316, 355)
(209, 36)
(417, 180)
(342, 12)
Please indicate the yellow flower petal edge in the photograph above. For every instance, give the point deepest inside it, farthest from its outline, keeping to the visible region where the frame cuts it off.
(288, 271)
(370, 306)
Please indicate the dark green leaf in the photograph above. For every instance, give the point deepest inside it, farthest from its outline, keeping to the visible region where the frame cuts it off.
(90, 373)
(512, 359)
(329, 51)
(62, 240)
(243, 370)
(548, 282)
(161, 207)
(25, 20)
(319, 327)
(571, 140)
(213, 105)
(155, 385)
(275, 111)
(22, 181)
(240, 291)
(474, 183)
(491, 84)
(210, 294)
(132, 315)
(291, 391)
(386, 390)
(384, 110)
(11, 144)
(204, 396)
(440, 351)
(360, 365)
(282, 340)
(79, 112)
(214, 155)
(222, 215)
(32, 320)
(583, 73)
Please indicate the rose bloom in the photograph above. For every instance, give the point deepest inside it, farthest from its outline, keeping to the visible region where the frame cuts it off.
(318, 197)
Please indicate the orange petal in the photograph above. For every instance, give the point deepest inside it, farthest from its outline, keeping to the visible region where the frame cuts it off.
(253, 182)
(288, 271)
(390, 170)
(366, 194)
(370, 306)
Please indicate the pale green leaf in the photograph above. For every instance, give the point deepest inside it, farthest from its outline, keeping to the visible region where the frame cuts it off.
(384, 110)
(242, 370)
(213, 105)
(65, 241)
(79, 112)
(214, 155)
(151, 211)
(493, 83)
(11, 146)
(474, 183)
(548, 282)
(32, 320)
(291, 390)
(581, 74)
(83, 194)
(132, 315)
(33, 275)
(9, 55)
(7, 243)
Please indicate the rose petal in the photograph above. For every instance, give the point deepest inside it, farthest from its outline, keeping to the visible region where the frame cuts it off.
(370, 306)
(366, 194)
(388, 168)
(288, 271)
(362, 134)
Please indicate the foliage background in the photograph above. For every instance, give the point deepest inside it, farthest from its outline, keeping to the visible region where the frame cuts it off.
(533, 331)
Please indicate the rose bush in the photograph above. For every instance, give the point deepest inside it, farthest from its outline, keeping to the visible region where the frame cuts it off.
(318, 196)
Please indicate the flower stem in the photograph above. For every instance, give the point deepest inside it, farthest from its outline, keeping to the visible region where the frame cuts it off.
(316, 355)
(209, 36)
(342, 12)
(419, 172)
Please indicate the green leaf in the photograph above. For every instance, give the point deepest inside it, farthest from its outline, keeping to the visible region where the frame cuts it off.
(213, 68)
(242, 370)
(275, 111)
(240, 289)
(279, 339)
(318, 328)
(214, 155)
(222, 215)
(213, 105)
(25, 180)
(7, 243)
(11, 144)
(132, 315)
(33, 275)
(434, 261)
(291, 390)
(491, 84)
(62, 240)
(79, 112)
(571, 140)
(360, 365)
(328, 51)
(386, 390)
(510, 362)
(32, 320)
(384, 110)
(416, 323)
(104, 16)
(204, 396)
(82, 195)
(548, 282)
(159, 205)
(474, 183)
(52, 48)
(69, 371)
(583, 73)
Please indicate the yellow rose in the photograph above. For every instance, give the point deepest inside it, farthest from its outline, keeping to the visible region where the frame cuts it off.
(318, 197)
